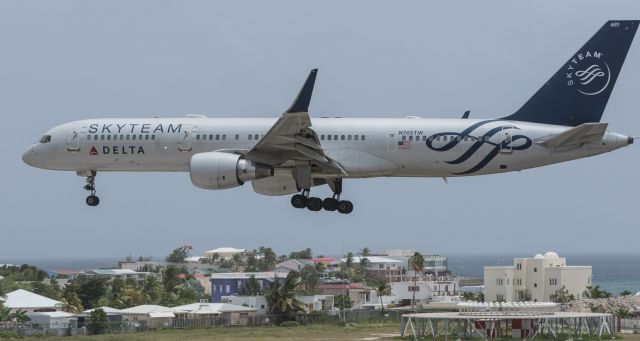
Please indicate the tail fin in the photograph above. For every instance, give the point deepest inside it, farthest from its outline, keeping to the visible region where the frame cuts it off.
(579, 91)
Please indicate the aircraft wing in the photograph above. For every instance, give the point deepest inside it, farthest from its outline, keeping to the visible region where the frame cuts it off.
(291, 139)
(576, 136)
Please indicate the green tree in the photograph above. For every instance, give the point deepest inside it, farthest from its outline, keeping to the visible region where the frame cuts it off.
(562, 296)
(342, 302)
(349, 260)
(178, 255)
(151, 290)
(383, 289)
(281, 297)
(5, 313)
(364, 252)
(309, 279)
(20, 316)
(269, 259)
(417, 264)
(302, 254)
(90, 290)
(595, 292)
(98, 322)
(626, 293)
(171, 278)
(251, 287)
(72, 302)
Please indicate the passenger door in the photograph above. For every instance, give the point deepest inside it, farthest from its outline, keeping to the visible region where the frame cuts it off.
(184, 140)
(504, 141)
(75, 136)
(392, 142)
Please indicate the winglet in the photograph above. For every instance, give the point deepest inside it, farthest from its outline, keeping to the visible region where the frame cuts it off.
(466, 114)
(301, 103)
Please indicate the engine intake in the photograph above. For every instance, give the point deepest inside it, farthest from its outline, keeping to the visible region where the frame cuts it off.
(217, 170)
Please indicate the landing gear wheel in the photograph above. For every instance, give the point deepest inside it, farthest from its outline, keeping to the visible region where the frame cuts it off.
(330, 204)
(314, 204)
(93, 200)
(299, 201)
(345, 207)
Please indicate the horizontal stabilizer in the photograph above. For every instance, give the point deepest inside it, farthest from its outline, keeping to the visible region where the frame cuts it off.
(586, 132)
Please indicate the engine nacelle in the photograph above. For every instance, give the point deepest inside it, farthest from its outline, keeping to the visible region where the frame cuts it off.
(217, 170)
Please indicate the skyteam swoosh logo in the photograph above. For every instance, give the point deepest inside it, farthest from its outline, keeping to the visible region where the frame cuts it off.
(516, 142)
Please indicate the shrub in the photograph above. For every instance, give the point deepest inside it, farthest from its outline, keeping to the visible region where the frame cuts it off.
(289, 324)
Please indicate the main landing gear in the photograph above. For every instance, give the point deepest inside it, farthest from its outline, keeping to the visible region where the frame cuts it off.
(329, 204)
(92, 199)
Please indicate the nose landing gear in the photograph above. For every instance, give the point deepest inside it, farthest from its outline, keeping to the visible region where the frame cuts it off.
(92, 199)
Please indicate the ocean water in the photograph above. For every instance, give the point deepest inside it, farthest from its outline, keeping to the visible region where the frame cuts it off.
(613, 272)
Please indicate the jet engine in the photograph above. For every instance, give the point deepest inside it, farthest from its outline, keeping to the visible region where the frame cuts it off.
(217, 170)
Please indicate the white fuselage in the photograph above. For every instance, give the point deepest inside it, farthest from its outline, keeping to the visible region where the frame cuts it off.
(364, 147)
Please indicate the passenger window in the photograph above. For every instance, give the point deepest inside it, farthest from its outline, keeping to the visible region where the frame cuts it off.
(95, 137)
(128, 137)
(121, 137)
(237, 137)
(342, 137)
(146, 137)
(404, 138)
(410, 138)
(335, 137)
(329, 137)
(140, 137)
(109, 137)
(249, 137)
(424, 138)
(217, 137)
(153, 137)
(255, 136)
(362, 137)
(101, 137)
(211, 137)
(322, 137)
(88, 137)
(198, 137)
(355, 137)
(133, 137)
(224, 136)
(438, 138)
(349, 137)
(444, 138)
(466, 138)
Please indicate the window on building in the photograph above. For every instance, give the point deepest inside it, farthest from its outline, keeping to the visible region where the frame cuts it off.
(412, 288)
(228, 288)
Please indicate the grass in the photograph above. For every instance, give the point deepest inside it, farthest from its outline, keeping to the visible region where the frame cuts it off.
(320, 332)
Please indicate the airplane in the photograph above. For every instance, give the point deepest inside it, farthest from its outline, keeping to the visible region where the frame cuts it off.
(290, 155)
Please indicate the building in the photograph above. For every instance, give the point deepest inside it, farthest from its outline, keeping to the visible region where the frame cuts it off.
(433, 264)
(65, 273)
(205, 282)
(54, 319)
(311, 303)
(293, 265)
(30, 302)
(227, 284)
(225, 252)
(153, 316)
(381, 267)
(122, 274)
(231, 313)
(358, 293)
(534, 279)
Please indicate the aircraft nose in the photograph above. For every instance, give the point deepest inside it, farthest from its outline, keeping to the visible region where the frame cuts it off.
(27, 156)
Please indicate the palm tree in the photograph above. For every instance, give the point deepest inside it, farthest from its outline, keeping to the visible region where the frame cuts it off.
(98, 321)
(251, 287)
(596, 292)
(384, 289)
(281, 297)
(20, 316)
(364, 252)
(417, 264)
(309, 280)
(5, 313)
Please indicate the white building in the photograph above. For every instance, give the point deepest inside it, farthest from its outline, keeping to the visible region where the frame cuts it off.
(122, 274)
(225, 252)
(259, 302)
(30, 302)
(153, 316)
(54, 319)
(534, 279)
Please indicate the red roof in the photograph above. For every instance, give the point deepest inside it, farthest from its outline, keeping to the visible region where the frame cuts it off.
(323, 260)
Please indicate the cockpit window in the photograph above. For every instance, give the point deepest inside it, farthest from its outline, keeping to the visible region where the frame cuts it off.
(45, 139)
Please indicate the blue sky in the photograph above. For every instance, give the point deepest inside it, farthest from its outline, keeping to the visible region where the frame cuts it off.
(69, 60)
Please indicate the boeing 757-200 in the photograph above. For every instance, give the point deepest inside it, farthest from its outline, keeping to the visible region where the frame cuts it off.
(290, 155)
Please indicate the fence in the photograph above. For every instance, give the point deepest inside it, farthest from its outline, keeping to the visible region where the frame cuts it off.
(125, 327)
(632, 324)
